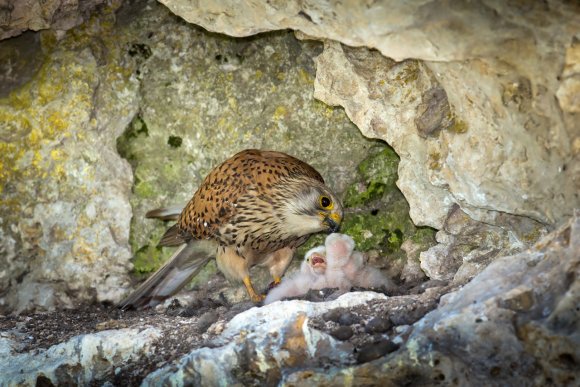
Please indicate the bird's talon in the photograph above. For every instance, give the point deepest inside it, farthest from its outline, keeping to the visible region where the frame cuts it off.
(274, 283)
(257, 298)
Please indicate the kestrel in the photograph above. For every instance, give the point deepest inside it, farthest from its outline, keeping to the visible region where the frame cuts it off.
(255, 208)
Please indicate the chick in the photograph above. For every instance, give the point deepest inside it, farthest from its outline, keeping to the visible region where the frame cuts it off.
(354, 267)
(310, 276)
(338, 252)
(334, 265)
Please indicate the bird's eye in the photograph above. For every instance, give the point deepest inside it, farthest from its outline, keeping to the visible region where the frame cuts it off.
(325, 202)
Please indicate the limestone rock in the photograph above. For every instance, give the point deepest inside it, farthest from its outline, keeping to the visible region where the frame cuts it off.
(411, 271)
(516, 322)
(263, 341)
(499, 64)
(381, 97)
(429, 30)
(466, 247)
(65, 209)
(569, 90)
(394, 101)
(19, 16)
(79, 361)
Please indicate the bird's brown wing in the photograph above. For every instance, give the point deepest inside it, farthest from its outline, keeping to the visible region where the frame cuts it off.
(214, 203)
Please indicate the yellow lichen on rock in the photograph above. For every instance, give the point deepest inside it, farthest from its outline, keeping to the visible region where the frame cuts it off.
(59, 174)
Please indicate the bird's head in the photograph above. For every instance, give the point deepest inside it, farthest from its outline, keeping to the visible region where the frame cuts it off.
(314, 208)
(315, 259)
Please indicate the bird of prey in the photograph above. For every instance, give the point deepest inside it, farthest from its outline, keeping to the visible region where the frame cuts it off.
(255, 208)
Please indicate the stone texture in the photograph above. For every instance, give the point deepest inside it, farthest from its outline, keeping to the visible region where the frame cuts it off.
(19, 16)
(569, 90)
(381, 97)
(500, 65)
(517, 322)
(466, 247)
(429, 30)
(64, 209)
(79, 361)
(262, 342)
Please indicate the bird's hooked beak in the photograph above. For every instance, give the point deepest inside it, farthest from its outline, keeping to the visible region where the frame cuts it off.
(333, 220)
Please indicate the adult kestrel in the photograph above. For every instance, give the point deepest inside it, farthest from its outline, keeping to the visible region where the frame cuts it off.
(255, 208)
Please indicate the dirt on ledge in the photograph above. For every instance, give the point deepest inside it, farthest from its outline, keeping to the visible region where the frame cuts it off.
(368, 328)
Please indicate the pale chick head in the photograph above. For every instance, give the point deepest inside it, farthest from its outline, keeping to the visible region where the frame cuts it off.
(339, 248)
(315, 261)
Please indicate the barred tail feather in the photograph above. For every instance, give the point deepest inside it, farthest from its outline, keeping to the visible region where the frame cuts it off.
(185, 263)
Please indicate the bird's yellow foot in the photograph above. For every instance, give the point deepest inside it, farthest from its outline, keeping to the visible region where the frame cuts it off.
(274, 283)
(255, 297)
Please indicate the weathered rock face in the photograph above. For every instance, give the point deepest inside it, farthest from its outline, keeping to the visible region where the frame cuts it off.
(466, 246)
(506, 143)
(382, 98)
(79, 361)
(516, 322)
(19, 16)
(64, 189)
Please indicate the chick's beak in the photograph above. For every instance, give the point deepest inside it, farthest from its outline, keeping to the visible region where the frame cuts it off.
(333, 220)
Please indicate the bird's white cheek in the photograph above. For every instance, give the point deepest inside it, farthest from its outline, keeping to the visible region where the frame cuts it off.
(302, 225)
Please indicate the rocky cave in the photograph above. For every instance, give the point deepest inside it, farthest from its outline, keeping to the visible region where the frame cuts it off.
(450, 131)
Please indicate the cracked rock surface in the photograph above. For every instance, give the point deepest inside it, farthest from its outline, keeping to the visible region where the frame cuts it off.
(449, 129)
(498, 328)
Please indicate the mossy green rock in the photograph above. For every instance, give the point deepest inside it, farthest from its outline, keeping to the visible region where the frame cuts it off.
(378, 175)
(382, 229)
(377, 214)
